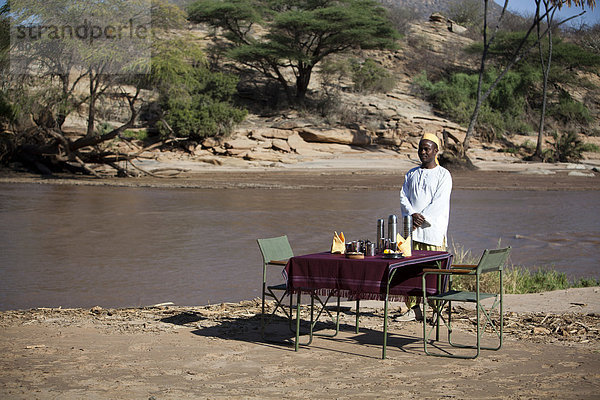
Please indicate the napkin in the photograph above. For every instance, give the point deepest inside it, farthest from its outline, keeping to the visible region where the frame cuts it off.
(339, 243)
(404, 245)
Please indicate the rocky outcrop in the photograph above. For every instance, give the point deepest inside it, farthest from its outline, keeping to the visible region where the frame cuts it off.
(336, 135)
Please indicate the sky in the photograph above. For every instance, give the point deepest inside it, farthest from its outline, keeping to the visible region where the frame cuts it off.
(527, 7)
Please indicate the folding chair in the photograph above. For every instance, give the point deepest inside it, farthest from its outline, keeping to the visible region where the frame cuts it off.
(276, 252)
(491, 261)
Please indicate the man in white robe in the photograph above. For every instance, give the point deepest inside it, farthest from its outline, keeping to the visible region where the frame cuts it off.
(425, 196)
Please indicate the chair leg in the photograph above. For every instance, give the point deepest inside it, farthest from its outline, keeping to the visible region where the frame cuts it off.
(278, 305)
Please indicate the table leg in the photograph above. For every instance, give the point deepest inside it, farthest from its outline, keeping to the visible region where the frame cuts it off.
(297, 344)
(385, 325)
(438, 310)
(357, 314)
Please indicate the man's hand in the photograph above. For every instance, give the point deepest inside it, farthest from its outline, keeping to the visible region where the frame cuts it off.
(418, 220)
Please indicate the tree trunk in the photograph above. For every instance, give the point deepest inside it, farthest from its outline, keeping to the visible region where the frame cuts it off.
(92, 105)
(546, 72)
(486, 45)
(302, 81)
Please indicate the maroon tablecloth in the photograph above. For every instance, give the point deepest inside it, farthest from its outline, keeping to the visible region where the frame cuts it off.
(367, 278)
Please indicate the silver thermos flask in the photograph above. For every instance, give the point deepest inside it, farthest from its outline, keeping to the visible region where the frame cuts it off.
(392, 227)
(380, 234)
(407, 226)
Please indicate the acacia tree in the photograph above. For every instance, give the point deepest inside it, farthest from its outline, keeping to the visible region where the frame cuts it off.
(523, 48)
(299, 34)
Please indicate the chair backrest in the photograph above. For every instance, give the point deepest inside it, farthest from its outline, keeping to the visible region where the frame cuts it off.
(277, 248)
(493, 260)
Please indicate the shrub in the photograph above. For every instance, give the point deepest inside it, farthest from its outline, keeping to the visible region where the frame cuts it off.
(565, 147)
(332, 74)
(590, 147)
(568, 109)
(103, 128)
(141, 134)
(203, 109)
(369, 76)
(455, 98)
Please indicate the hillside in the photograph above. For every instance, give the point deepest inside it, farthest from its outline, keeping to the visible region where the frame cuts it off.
(384, 127)
(345, 129)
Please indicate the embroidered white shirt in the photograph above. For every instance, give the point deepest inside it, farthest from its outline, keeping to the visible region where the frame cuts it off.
(427, 192)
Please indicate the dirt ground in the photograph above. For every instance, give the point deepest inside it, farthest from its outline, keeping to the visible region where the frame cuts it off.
(216, 351)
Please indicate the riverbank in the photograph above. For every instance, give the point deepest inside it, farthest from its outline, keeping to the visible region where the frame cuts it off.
(326, 178)
(551, 350)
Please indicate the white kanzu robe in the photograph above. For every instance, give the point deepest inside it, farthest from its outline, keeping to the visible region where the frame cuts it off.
(427, 192)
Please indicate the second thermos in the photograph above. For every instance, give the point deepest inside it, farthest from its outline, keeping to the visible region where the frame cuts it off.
(407, 224)
(392, 227)
(380, 234)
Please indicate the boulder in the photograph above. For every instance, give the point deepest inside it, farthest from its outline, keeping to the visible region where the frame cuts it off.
(200, 151)
(219, 150)
(437, 17)
(290, 124)
(456, 28)
(333, 135)
(296, 142)
(264, 144)
(237, 152)
(211, 142)
(272, 133)
(281, 145)
(262, 155)
(240, 143)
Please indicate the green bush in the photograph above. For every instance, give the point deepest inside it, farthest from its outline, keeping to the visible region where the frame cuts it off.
(103, 128)
(568, 110)
(203, 109)
(590, 147)
(332, 73)
(455, 98)
(369, 76)
(566, 147)
(141, 134)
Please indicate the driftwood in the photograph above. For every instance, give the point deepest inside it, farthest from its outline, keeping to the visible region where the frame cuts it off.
(47, 149)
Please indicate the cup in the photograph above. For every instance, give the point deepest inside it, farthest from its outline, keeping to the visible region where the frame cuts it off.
(349, 247)
(370, 249)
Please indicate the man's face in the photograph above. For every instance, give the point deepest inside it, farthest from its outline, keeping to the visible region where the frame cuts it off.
(427, 151)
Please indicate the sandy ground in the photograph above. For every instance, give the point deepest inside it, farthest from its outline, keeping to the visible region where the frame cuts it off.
(551, 350)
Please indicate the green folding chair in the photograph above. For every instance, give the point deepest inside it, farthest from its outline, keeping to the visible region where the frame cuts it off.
(276, 252)
(492, 261)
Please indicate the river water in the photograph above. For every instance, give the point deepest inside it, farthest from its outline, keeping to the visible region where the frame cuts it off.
(81, 246)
